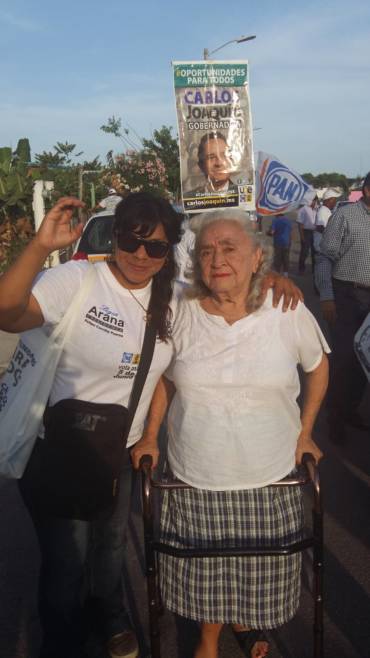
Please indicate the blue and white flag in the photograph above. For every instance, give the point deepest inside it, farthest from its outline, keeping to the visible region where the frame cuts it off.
(279, 189)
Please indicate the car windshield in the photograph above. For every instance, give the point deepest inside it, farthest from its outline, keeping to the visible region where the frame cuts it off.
(97, 237)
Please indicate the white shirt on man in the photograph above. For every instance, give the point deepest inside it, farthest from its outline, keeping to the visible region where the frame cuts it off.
(323, 215)
(110, 202)
(306, 217)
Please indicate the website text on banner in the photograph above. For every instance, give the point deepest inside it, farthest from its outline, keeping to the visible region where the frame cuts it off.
(279, 189)
(215, 134)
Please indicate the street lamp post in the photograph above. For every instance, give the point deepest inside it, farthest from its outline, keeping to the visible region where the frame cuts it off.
(207, 53)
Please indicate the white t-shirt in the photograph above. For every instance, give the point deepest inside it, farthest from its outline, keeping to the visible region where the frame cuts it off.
(323, 215)
(101, 357)
(110, 202)
(306, 217)
(234, 420)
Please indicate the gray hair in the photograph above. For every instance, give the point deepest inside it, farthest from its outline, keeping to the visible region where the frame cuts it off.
(198, 289)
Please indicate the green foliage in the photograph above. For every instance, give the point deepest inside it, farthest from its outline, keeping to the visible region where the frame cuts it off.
(138, 171)
(16, 181)
(141, 165)
(23, 150)
(61, 157)
(165, 147)
(333, 179)
(65, 151)
(114, 127)
(58, 166)
(14, 236)
(48, 159)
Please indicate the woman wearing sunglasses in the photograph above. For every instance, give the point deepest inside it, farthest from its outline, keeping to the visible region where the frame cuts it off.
(98, 364)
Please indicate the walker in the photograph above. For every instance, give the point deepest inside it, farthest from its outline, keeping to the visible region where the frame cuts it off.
(307, 474)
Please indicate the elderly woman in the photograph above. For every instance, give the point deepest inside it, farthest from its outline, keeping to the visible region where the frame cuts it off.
(235, 427)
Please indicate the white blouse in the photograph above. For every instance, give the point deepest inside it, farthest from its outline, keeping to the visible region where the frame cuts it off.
(234, 420)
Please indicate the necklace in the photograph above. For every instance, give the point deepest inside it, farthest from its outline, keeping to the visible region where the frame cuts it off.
(147, 315)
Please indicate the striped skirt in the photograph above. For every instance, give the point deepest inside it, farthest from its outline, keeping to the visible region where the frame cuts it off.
(259, 592)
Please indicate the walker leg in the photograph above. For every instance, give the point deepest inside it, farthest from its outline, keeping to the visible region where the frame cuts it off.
(150, 560)
(318, 628)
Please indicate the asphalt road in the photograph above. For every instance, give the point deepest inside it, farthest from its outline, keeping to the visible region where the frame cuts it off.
(345, 475)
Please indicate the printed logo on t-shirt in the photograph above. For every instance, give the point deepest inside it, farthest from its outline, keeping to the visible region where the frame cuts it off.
(105, 319)
(128, 370)
(129, 357)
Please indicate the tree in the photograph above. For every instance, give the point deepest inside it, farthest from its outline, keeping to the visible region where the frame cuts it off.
(137, 171)
(114, 127)
(16, 181)
(62, 155)
(146, 163)
(65, 150)
(16, 184)
(165, 147)
(58, 166)
(333, 179)
(48, 159)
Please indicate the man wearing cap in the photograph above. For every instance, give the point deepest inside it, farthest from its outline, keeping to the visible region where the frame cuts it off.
(342, 275)
(110, 201)
(323, 214)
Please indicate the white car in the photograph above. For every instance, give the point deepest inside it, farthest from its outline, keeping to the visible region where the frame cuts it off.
(96, 241)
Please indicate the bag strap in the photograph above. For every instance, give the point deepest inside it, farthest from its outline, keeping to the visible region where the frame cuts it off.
(146, 357)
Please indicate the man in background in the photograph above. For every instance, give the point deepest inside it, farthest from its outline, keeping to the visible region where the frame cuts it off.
(342, 274)
(306, 224)
(109, 202)
(281, 230)
(323, 214)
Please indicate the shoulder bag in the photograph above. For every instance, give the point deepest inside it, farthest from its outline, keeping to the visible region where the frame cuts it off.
(25, 387)
(74, 471)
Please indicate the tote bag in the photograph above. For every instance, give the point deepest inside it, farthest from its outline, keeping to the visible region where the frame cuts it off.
(25, 387)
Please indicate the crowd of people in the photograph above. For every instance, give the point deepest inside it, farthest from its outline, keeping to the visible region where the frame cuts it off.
(224, 372)
(337, 239)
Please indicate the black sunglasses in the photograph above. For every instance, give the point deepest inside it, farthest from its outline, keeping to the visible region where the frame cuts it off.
(153, 248)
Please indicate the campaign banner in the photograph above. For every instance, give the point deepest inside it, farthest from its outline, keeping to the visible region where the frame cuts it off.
(279, 188)
(215, 135)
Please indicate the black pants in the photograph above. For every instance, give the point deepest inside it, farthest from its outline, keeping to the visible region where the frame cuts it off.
(347, 379)
(281, 258)
(81, 559)
(306, 247)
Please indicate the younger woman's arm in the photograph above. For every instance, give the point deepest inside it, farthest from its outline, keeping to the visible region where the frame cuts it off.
(148, 444)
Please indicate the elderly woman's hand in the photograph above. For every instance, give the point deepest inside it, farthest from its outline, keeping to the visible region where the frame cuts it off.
(145, 446)
(306, 443)
(281, 287)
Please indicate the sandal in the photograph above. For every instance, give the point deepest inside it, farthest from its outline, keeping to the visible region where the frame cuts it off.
(247, 640)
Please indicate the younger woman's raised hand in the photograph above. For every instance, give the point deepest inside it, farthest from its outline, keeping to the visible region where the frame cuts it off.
(56, 230)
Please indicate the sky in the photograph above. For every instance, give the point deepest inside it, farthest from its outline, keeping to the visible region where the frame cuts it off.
(66, 66)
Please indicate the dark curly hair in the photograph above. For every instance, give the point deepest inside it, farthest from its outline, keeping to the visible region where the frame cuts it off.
(140, 213)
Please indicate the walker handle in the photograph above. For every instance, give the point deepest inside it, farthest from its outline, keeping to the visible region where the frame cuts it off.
(146, 462)
(308, 460)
